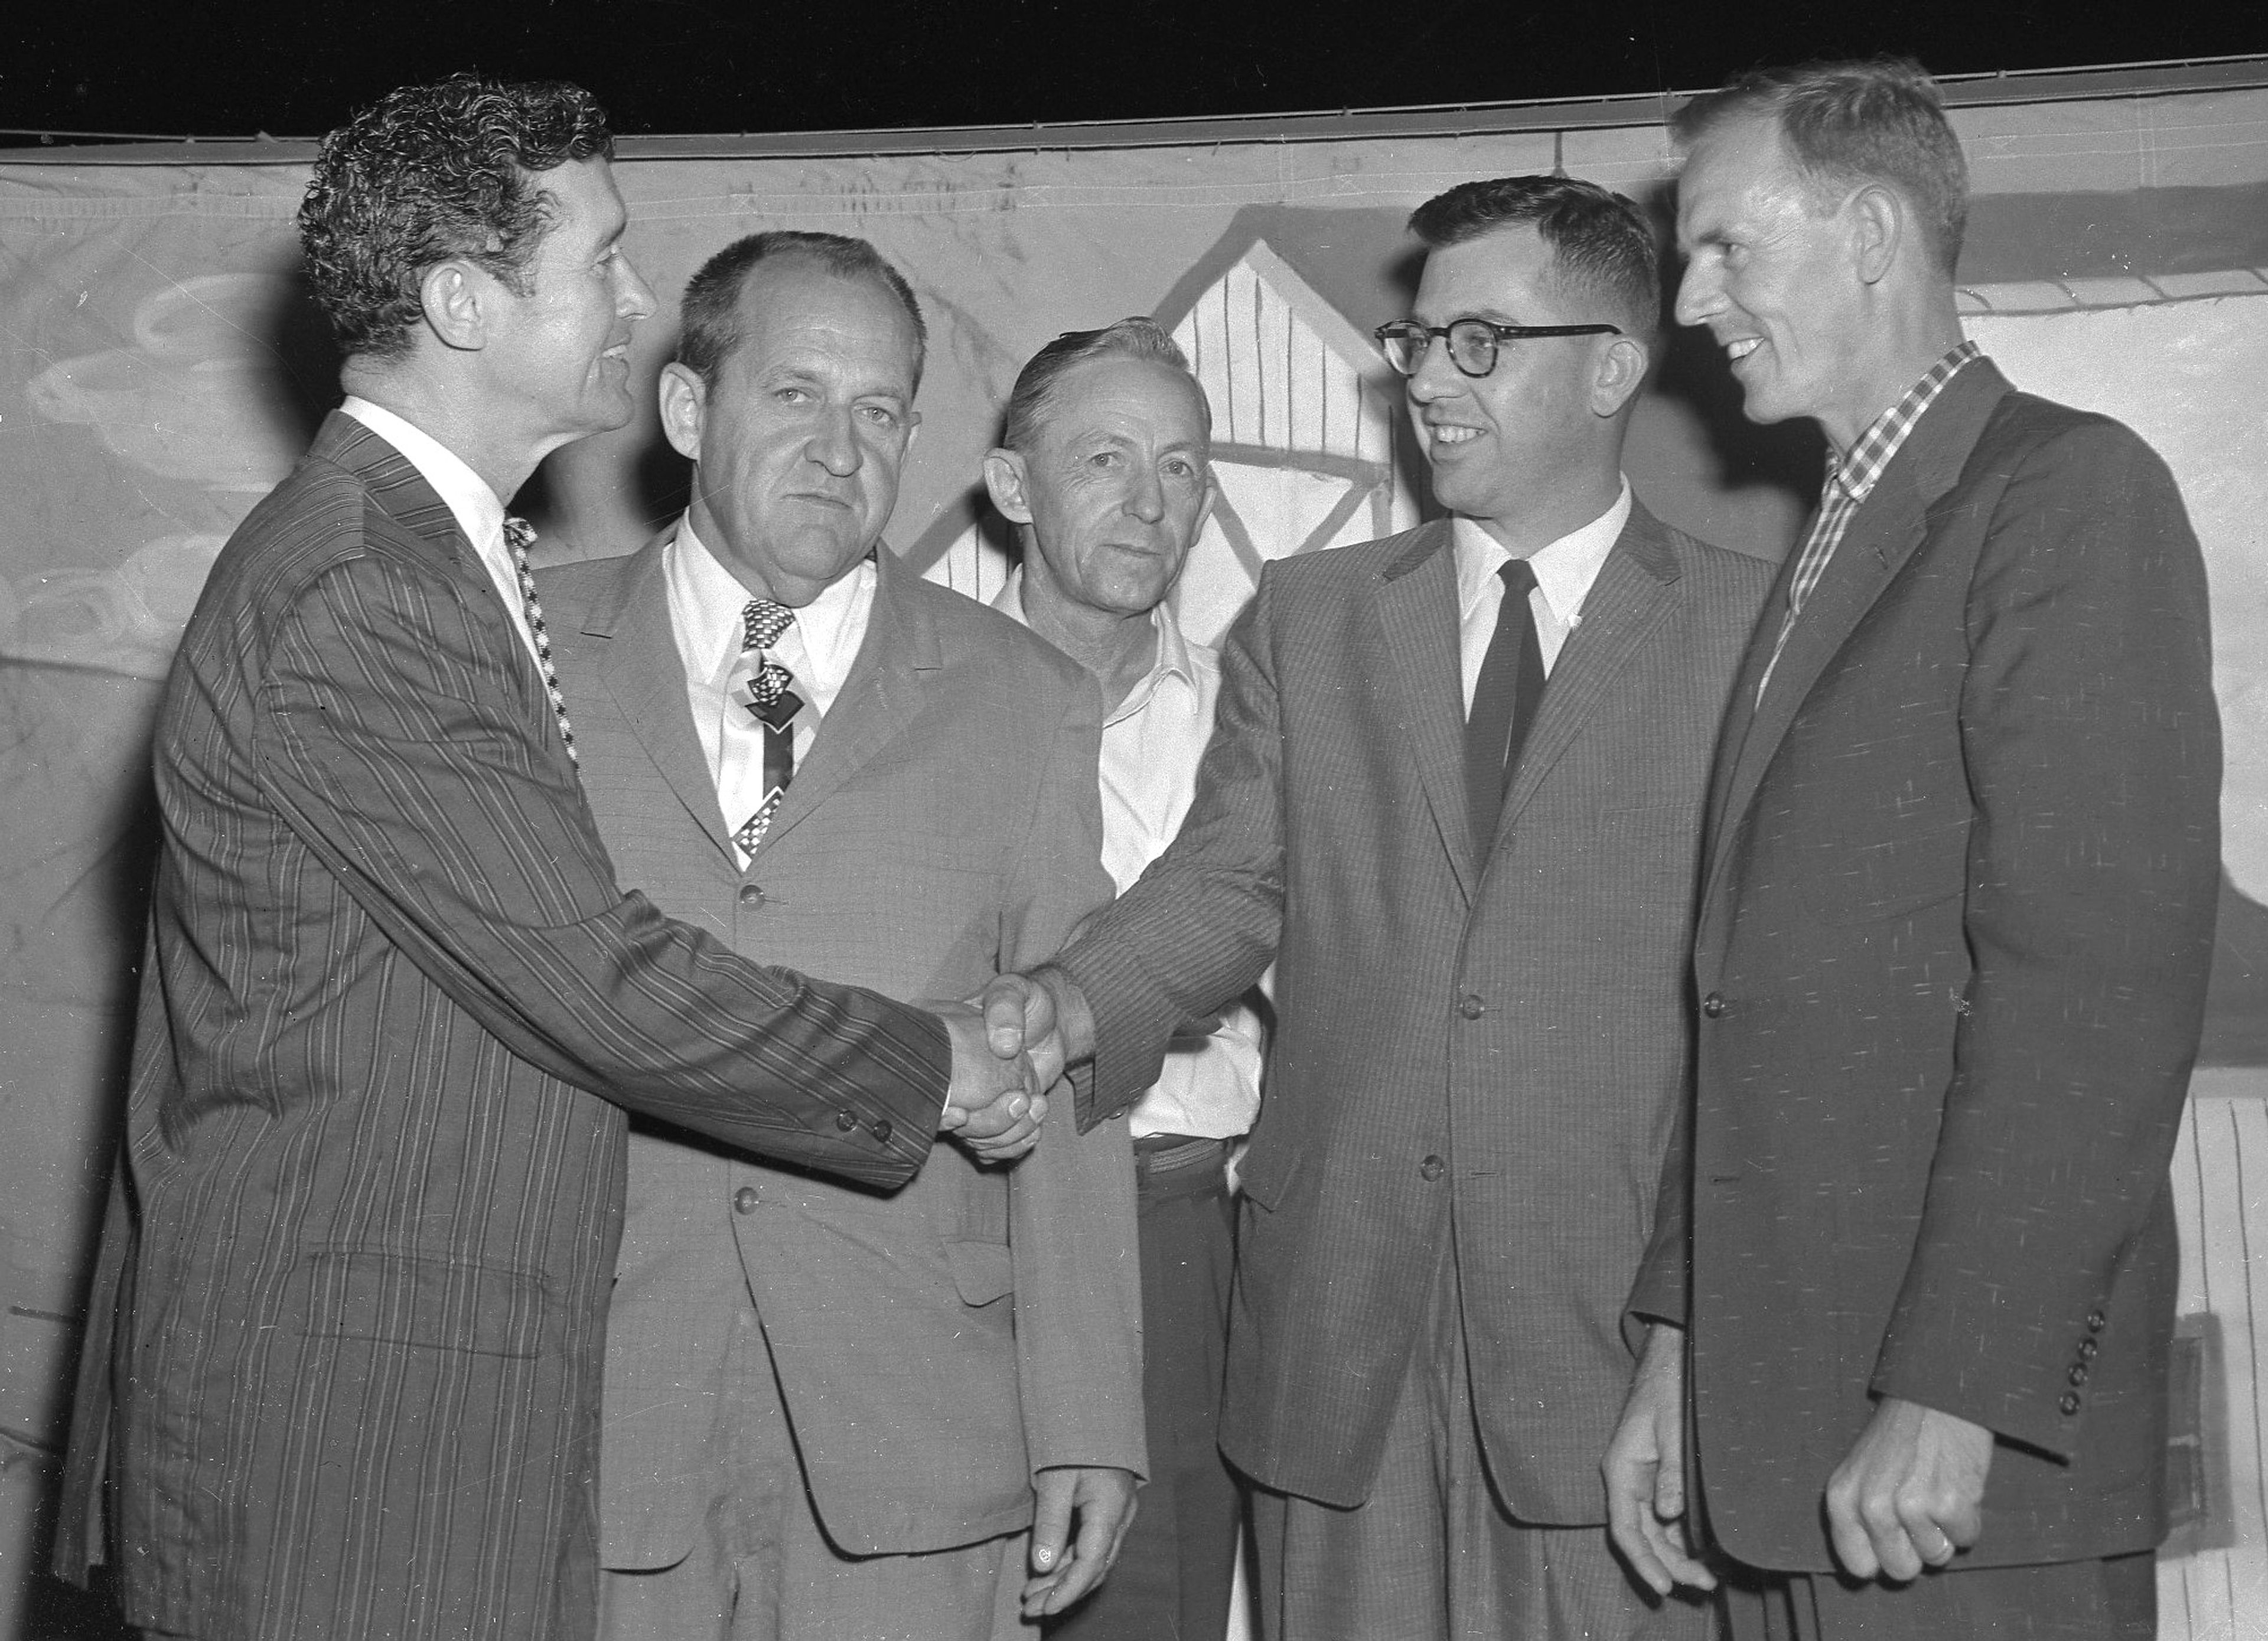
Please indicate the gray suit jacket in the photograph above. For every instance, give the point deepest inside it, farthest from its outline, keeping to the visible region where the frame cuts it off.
(1951, 962)
(1501, 1026)
(934, 1345)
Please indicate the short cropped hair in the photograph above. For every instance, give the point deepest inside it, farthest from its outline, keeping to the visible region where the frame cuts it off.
(709, 316)
(1848, 123)
(1137, 337)
(1600, 243)
(428, 173)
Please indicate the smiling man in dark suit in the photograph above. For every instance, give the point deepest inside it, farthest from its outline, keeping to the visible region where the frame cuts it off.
(1914, 1270)
(1453, 791)
(341, 1374)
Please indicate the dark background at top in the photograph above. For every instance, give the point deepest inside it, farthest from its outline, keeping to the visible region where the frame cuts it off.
(713, 66)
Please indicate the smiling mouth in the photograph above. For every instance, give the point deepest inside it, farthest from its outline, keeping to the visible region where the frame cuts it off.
(1447, 433)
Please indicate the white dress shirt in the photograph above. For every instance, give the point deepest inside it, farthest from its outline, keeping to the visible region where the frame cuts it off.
(478, 512)
(1564, 570)
(1210, 1085)
(705, 602)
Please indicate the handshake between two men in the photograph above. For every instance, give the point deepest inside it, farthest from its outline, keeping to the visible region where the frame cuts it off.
(1010, 1044)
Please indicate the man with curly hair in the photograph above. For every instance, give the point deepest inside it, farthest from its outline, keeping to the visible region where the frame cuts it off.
(342, 1375)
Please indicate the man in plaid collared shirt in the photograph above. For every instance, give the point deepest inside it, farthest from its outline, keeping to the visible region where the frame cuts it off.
(1908, 1296)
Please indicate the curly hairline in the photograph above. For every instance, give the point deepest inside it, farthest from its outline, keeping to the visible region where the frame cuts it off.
(1600, 246)
(428, 174)
(1845, 123)
(1137, 336)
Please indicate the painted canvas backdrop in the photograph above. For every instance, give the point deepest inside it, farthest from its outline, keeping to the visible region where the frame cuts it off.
(159, 369)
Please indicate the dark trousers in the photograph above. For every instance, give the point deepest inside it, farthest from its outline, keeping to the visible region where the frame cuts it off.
(2116, 1600)
(1172, 1576)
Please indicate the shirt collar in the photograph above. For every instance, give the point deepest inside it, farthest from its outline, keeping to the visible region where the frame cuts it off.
(1856, 471)
(478, 512)
(711, 599)
(1564, 569)
(1171, 661)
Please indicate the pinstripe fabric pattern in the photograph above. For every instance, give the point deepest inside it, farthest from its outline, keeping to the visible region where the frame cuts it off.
(1956, 911)
(368, 1211)
(936, 1345)
(1502, 1029)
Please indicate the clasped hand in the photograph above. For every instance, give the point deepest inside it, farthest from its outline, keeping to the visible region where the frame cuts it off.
(1006, 1054)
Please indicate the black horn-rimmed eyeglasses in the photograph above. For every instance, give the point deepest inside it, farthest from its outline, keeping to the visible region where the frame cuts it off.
(1473, 343)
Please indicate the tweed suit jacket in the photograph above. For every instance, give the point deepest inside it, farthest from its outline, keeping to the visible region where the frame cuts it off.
(1501, 1028)
(1951, 963)
(346, 1335)
(937, 1344)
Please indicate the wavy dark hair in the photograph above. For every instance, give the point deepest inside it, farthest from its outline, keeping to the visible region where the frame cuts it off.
(428, 173)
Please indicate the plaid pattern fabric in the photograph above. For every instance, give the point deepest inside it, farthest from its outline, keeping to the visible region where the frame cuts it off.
(519, 535)
(1850, 480)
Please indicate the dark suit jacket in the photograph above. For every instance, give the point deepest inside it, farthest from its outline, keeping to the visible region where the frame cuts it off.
(1951, 965)
(936, 1345)
(1501, 1028)
(346, 1337)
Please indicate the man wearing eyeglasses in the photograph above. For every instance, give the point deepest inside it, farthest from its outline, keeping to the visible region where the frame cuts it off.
(1454, 792)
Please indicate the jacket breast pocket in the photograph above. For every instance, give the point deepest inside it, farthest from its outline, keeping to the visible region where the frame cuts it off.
(390, 1298)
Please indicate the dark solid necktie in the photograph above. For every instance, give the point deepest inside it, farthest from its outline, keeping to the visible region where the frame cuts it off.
(519, 535)
(773, 705)
(1504, 706)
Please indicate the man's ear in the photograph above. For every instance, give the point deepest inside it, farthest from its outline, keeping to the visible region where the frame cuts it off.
(453, 295)
(1005, 476)
(1878, 222)
(1621, 369)
(684, 409)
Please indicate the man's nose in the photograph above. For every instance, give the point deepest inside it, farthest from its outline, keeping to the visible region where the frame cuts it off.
(634, 298)
(1435, 375)
(1699, 294)
(1145, 498)
(834, 445)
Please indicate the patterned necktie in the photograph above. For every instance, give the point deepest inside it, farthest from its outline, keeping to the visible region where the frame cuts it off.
(1511, 683)
(771, 701)
(519, 535)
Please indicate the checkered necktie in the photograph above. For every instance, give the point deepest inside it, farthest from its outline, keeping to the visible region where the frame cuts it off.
(773, 704)
(519, 535)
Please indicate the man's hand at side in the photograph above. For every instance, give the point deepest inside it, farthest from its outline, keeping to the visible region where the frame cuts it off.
(995, 1107)
(1910, 1492)
(1644, 1469)
(1064, 1569)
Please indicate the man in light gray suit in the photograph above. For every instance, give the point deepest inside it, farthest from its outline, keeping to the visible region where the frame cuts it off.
(830, 1412)
(1477, 886)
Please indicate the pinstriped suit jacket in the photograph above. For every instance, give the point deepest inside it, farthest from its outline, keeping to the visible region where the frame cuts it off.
(1502, 1027)
(346, 1336)
(936, 1345)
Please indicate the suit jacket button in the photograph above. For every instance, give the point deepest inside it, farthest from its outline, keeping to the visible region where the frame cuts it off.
(1713, 1004)
(845, 1122)
(2096, 1321)
(751, 895)
(1470, 1005)
(1431, 1169)
(2087, 1349)
(2078, 1374)
(2069, 1404)
(882, 1129)
(744, 1200)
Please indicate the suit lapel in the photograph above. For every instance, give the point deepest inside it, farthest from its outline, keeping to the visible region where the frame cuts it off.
(1418, 669)
(641, 670)
(1888, 530)
(880, 696)
(1634, 591)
